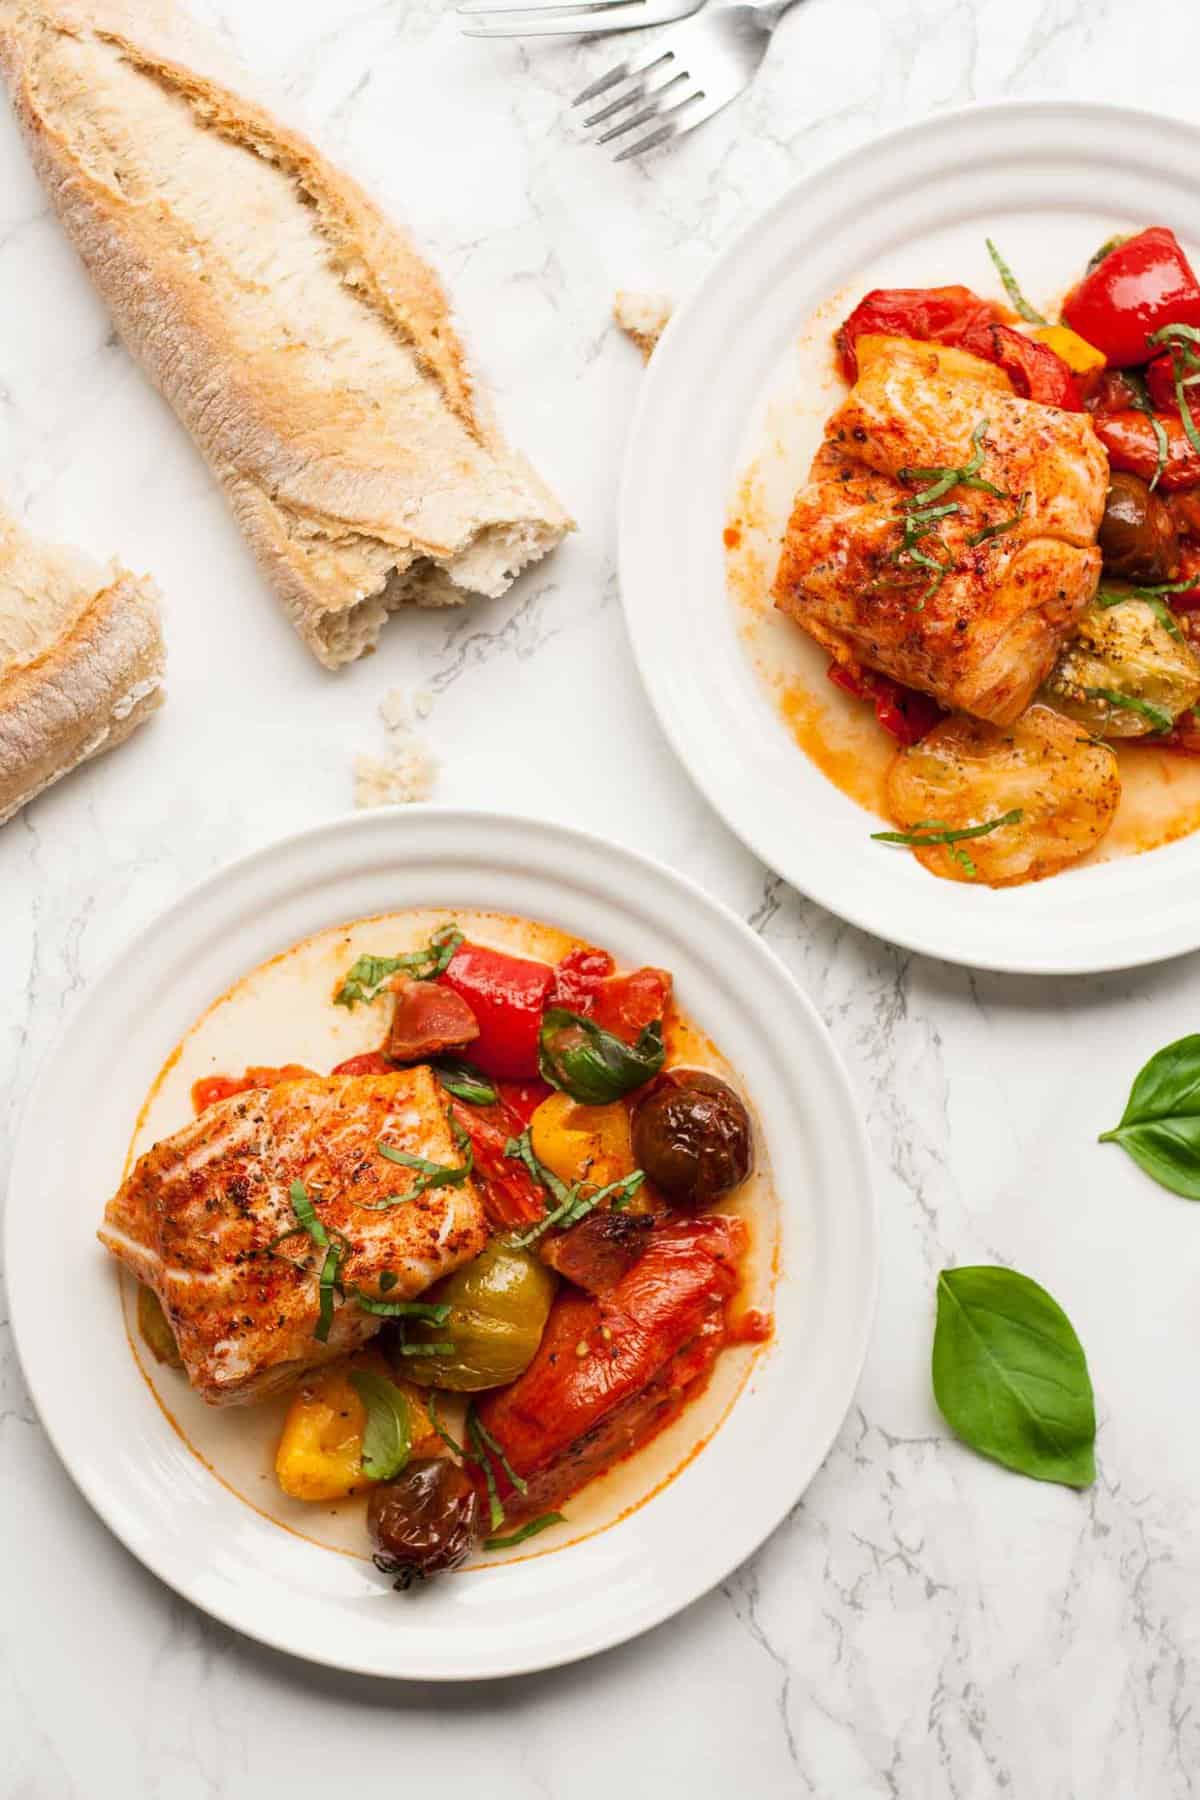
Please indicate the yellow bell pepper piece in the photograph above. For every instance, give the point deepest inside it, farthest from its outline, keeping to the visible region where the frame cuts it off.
(1076, 352)
(582, 1143)
(320, 1449)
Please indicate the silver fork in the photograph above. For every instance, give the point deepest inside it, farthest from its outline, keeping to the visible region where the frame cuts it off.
(686, 80)
(578, 18)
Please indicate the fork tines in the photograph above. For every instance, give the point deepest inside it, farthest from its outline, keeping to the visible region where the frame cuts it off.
(657, 85)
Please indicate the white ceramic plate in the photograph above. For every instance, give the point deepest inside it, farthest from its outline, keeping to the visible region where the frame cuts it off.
(1050, 181)
(205, 1541)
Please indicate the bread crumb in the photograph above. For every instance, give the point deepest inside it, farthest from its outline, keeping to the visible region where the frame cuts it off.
(642, 317)
(406, 772)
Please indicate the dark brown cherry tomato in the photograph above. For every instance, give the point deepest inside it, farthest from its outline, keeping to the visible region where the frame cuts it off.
(425, 1522)
(692, 1135)
(1137, 534)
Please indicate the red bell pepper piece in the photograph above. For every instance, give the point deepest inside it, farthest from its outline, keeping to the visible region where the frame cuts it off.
(924, 313)
(1132, 445)
(904, 712)
(507, 995)
(1140, 286)
(211, 1088)
(647, 1346)
(1036, 371)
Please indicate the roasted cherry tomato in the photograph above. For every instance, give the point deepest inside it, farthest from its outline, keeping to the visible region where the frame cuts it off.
(692, 1135)
(426, 1521)
(499, 1305)
(626, 1004)
(1132, 444)
(428, 1019)
(1109, 391)
(1142, 284)
(1137, 534)
(903, 712)
(510, 1195)
(507, 995)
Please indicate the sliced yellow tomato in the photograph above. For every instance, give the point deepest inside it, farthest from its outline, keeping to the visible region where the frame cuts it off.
(320, 1449)
(1076, 352)
(582, 1143)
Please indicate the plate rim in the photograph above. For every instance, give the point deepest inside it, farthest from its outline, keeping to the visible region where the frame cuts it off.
(1054, 963)
(860, 1178)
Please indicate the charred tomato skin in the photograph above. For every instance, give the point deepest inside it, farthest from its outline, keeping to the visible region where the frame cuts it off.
(426, 1522)
(692, 1136)
(1137, 534)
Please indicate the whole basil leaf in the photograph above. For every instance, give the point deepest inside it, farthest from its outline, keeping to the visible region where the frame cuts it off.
(387, 1436)
(1010, 1376)
(589, 1063)
(1160, 1127)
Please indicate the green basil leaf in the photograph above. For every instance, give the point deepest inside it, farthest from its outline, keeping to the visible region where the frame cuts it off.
(465, 1081)
(590, 1064)
(1160, 1127)
(1010, 1376)
(387, 1437)
(365, 979)
(541, 1523)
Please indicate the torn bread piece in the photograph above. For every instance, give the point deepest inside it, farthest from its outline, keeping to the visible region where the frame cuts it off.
(301, 339)
(642, 317)
(81, 660)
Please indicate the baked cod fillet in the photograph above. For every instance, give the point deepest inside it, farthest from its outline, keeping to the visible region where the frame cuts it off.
(207, 1220)
(1019, 567)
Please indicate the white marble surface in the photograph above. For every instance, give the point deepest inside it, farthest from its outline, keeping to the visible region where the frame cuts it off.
(924, 1624)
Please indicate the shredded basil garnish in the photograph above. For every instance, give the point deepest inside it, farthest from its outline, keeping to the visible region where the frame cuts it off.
(1001, 526)
(1181, 341)
(327, 1281)
(541, 1523)
(365, 979)
(1019, 302)
(402, 1309)
(578, 1205)
(934, 831)
(489, 1443)
(496, 1511)
(1151, 597)
(429, 1174)
(465, 1082)
(1157, 715)
(450, 1443)
(922, 515)
(1106, 249)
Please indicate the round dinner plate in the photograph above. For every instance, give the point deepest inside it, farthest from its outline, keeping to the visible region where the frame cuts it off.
(210, 1545)
(1049, 181)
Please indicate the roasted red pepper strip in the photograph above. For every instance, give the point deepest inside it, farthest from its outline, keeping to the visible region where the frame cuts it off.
(1140, 286)
(904, 713)
(211, 1088)
(924, 313)
(1132, 445)
(611, 1372)
(1036, 371)
(507, 995)
(510, 1195)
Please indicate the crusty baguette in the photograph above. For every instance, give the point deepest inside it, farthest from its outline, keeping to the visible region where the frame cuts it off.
(296, 332)
(81, 661)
